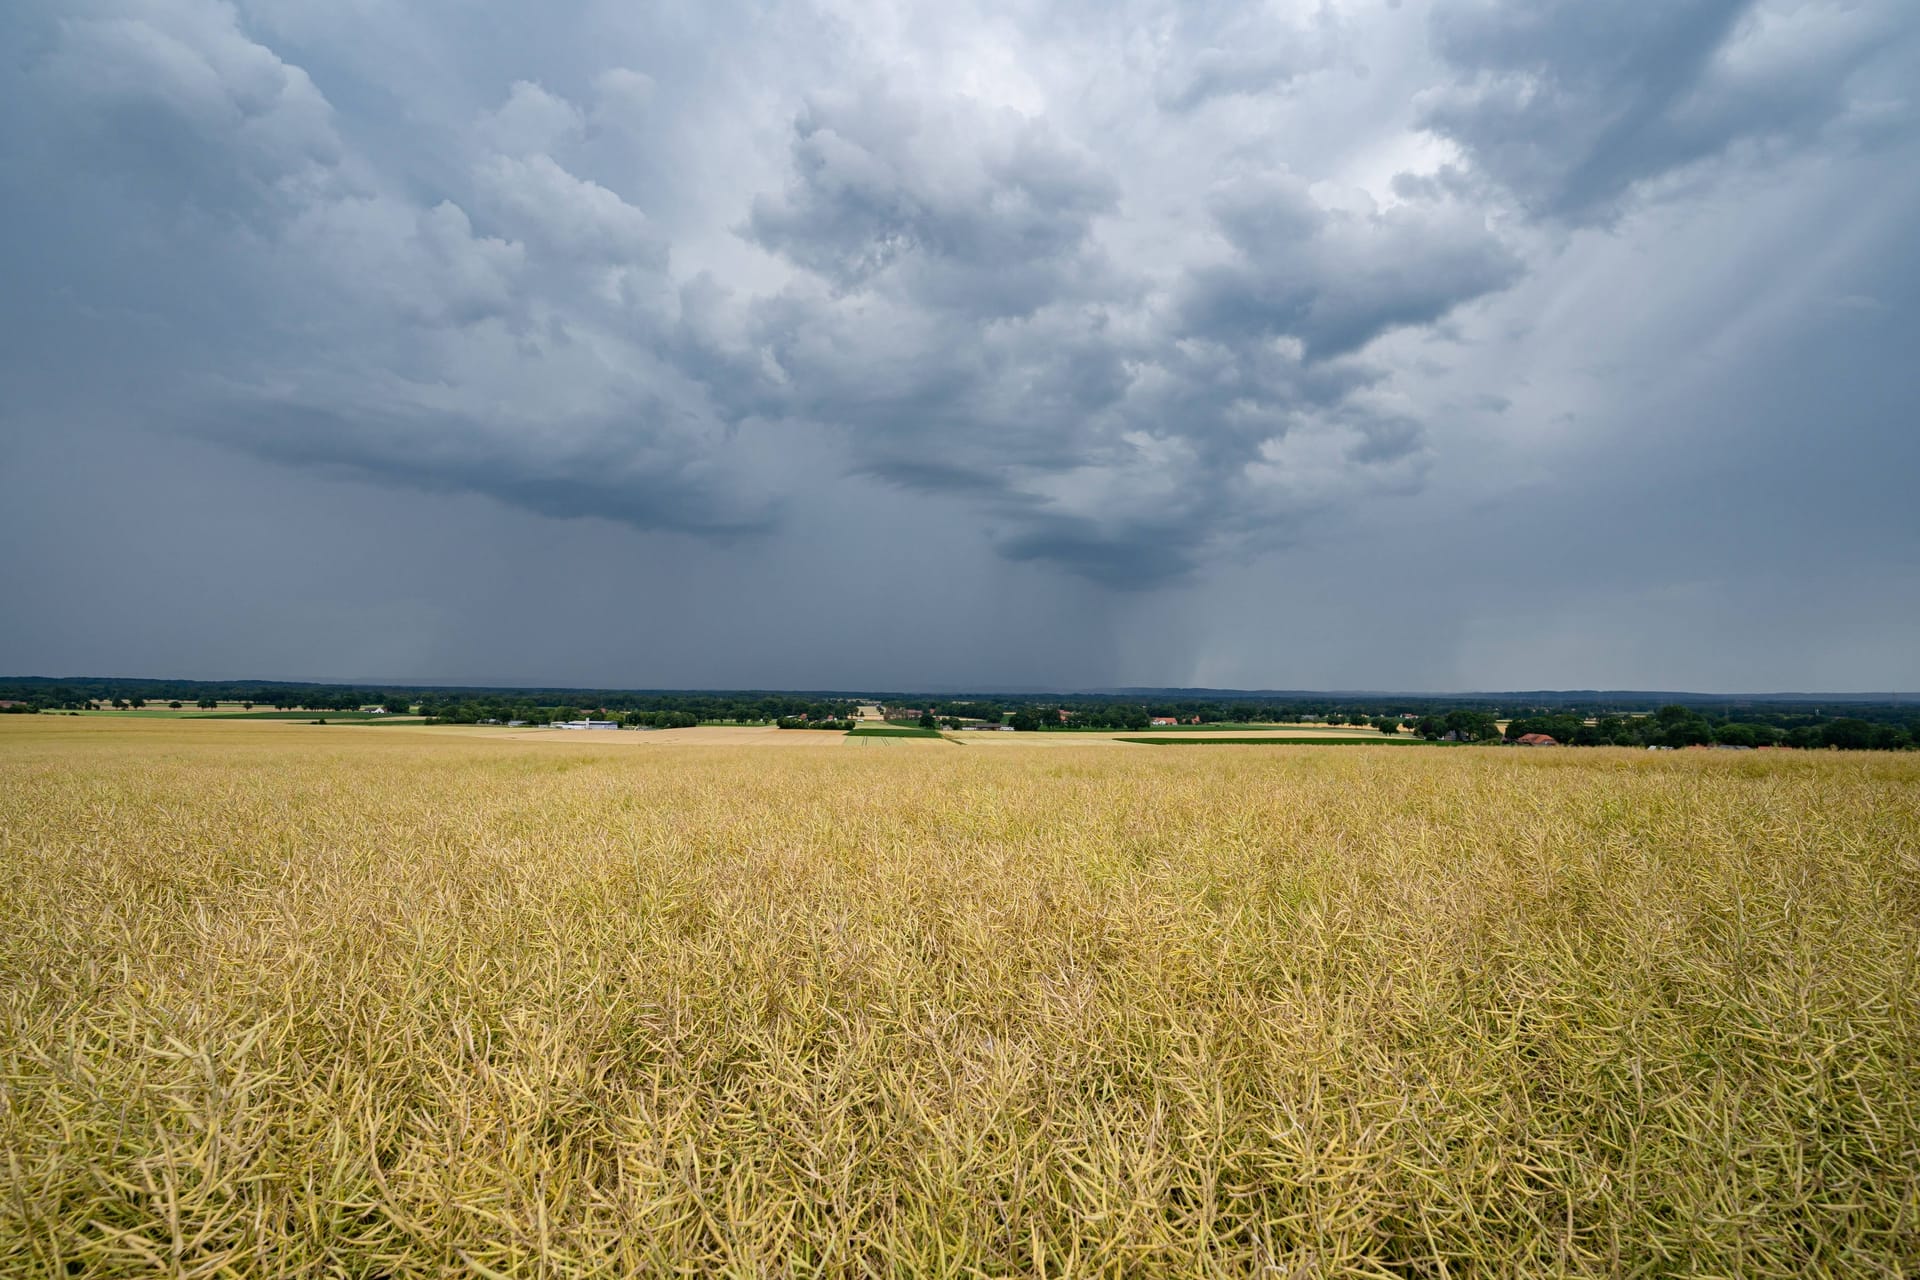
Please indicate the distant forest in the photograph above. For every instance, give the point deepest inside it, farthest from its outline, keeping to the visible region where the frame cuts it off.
(662, 709)
(1617, 718)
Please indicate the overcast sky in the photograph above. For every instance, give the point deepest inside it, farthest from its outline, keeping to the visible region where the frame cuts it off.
(1448, 345)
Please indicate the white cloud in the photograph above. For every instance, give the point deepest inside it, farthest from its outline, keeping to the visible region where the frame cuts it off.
(531, 120)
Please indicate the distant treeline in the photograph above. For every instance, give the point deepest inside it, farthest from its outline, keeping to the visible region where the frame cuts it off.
(1865, 726)
(1874, 726)
(1846, 721)
(1101, 711)
(1679, 726)
(663, 709)
(645, 711)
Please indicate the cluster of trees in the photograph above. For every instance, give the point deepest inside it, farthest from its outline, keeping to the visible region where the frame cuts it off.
(735, 708)
(398, 704)
(795, 722)
(1459, 725)
(475, 710)
(1679, 726)
(653, 719)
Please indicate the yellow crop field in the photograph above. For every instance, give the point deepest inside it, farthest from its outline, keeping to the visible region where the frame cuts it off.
(278, 999)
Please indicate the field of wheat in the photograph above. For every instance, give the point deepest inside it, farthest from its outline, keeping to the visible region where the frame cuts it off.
(291, 1000)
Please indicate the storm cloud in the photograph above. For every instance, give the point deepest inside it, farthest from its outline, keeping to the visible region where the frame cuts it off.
(1143, 299)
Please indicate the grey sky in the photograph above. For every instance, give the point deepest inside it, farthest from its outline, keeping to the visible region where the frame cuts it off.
(1410, 345)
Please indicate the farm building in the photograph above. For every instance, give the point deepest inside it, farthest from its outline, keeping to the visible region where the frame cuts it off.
(1536, 740)
(1164, 720)
(583, 724)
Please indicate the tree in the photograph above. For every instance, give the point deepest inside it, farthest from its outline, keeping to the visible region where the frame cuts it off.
(1847, 733)
(1692, 732)
(1472, 726)
(1889, 737)
(1559, 728)
(927, 721)
(398, 706)
(208, 704)
(1734, 734)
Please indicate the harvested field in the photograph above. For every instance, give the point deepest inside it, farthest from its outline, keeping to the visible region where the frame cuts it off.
(283, 1000)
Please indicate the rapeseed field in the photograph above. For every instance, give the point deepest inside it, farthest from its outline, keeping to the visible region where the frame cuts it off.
(286, 1000)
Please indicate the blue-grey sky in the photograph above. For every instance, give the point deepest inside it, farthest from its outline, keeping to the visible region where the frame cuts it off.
(1417, 345)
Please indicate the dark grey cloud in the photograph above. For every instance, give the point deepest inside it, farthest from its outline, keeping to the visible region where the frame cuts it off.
(951, 302)
(1093, 300)
(602, 473)
(1572, 105)
(957, 208)
(961, 311)
(1336, 280)
(1234, 50)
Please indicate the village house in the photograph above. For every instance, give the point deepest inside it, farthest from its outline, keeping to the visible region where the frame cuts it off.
(1536, 740)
